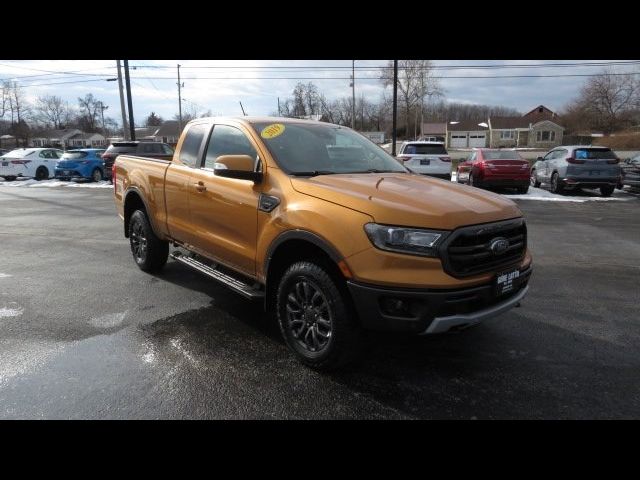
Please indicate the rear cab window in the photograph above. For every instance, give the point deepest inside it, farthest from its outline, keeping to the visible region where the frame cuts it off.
(192, 143)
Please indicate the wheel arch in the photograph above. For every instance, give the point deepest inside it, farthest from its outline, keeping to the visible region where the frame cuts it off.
(134, 200)
(292, 246)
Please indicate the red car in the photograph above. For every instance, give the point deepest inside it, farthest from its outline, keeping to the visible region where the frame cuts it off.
(488, 167)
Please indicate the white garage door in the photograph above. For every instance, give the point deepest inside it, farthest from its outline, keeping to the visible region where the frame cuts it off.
(458, 140)
(477, 139)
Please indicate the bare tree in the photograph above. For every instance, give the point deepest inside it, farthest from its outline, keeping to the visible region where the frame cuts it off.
(17, 103)
(51, 110)
(609, 101)
(415, 82)
(89, 107)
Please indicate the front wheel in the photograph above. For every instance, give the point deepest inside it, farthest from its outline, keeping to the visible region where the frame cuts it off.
(96, 175)
(149, 252)
(314, 317)
(523, 189)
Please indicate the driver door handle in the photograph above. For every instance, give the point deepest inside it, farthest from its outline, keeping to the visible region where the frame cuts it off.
(200, 187)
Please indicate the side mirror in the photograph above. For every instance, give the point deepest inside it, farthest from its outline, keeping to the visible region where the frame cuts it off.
(540, 159)
(237, 166)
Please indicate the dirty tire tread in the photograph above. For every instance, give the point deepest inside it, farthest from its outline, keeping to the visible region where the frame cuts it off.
(157, 250)
(346, 332)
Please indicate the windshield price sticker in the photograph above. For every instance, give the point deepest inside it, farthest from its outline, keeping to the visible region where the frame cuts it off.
(272, 131)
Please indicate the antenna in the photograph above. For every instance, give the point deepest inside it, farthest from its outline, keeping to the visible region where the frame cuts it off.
(243, 112)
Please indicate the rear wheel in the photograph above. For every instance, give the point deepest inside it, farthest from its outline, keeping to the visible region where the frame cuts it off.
(96, 175)
(473, 181)
(149, 252)
(534, 179)
(315, 318)
(606, 190)
(42, 173)
(556, 184)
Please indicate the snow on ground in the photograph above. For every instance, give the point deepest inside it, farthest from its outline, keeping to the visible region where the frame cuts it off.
(580, 196)
(54, 183)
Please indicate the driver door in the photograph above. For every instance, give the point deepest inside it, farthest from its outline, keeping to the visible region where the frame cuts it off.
(224, 211)
(548, 168)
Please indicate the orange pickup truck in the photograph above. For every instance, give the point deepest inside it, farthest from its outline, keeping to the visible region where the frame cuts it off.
(329, 231)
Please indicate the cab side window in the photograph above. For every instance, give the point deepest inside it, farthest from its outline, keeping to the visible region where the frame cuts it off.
(191, 145)
(166, 150)
(226, 140)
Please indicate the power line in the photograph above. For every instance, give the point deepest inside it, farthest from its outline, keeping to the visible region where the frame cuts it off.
(378, 67)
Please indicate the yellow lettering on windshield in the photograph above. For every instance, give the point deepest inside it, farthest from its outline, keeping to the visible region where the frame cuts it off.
(273, 130)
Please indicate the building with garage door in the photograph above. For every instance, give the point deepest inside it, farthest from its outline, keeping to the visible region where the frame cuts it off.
(538, 128)
(467, 134)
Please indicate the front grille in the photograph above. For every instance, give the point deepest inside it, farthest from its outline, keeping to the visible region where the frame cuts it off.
(467, 250)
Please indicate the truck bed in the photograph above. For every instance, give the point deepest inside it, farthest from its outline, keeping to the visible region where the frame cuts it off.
(147, 175)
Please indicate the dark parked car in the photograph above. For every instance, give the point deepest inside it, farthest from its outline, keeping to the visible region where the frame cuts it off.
(136, 148)
(631, 172)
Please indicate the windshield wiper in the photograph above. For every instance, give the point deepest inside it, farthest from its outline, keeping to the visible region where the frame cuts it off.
(312, 173)
(375, 170)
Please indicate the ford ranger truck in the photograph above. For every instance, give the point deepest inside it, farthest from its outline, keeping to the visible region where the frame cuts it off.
(325, 228)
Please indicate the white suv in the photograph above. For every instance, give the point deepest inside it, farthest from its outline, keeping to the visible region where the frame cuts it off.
(427, 158)
(39, 163)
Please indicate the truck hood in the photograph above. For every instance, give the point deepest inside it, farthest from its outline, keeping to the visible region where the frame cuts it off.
(409, 200)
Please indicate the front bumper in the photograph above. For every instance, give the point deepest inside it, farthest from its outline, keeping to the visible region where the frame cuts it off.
(428, 311)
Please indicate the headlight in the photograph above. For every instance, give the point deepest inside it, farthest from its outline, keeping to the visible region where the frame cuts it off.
(405, 240)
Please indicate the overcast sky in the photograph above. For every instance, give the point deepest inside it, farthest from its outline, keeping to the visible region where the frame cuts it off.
(258, 84)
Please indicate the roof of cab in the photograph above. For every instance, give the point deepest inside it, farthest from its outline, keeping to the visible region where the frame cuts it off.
(256, 119)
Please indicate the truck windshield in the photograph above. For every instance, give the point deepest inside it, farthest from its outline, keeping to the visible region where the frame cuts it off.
(316, 149)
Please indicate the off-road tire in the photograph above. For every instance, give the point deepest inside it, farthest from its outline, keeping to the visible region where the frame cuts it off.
(149, 252)
(345, 336)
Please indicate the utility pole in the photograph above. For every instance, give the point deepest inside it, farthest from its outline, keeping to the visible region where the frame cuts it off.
(125, 126)
(127, 82)
(180, 85)
(102, 109)
(395, 107)
(353, 92)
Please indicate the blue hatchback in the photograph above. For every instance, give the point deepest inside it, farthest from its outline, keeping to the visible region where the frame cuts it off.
(84, 163)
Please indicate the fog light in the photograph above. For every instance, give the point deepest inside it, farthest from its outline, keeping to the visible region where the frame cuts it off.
(396, 307)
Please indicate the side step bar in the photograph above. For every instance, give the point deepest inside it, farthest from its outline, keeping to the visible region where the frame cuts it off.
(234, 284)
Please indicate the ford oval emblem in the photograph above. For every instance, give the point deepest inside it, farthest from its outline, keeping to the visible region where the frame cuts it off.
(498, 245)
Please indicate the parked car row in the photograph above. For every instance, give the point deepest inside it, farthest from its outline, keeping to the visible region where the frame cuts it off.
(563, 168)
(92, 164)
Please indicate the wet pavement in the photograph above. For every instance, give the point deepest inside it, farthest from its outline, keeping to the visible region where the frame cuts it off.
(85, 334)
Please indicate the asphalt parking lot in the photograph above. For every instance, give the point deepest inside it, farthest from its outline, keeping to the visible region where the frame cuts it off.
(85, 334)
